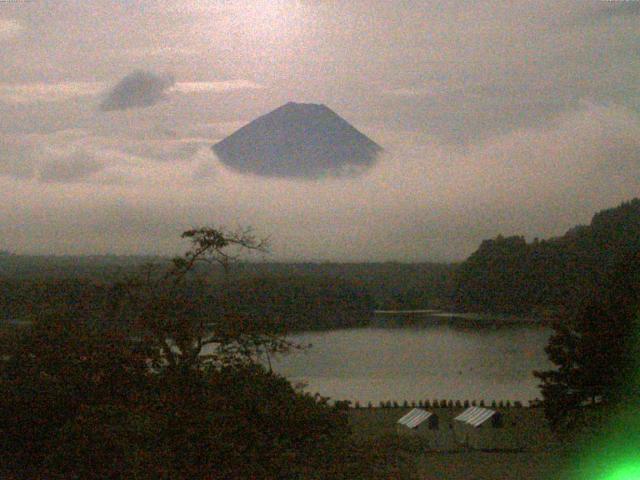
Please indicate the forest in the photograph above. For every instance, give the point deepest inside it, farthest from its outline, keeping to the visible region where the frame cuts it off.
(305, 296)
(136, 379)
(505, 275)
(547, 277)
(117, 349)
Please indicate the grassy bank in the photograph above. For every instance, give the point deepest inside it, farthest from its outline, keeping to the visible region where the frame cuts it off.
(540, 459)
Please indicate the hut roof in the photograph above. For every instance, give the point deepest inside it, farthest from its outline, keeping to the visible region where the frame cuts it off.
(475, 416)
(414, 418)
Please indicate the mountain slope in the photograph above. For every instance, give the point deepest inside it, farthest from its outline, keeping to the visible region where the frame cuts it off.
(511, 275)
(298, 140)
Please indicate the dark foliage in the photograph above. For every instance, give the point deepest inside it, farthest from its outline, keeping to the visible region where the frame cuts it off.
(509, 275)
(113, 382)
(299, 296)
(78, 403)
(52, 372)
(597, 350)
(300, 302)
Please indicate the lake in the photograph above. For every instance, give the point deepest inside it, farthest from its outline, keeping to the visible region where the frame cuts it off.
(424, 361)
(419, 363)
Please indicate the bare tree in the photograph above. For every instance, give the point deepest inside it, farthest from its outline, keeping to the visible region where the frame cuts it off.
(171, 307)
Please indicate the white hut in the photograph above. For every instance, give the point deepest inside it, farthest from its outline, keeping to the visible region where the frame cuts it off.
(481, 428)
(425, 427)
(417, 420)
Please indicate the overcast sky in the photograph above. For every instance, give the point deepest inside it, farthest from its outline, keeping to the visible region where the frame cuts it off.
(496, 117)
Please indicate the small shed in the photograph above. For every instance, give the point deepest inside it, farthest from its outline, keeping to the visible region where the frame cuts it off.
(425, 428)
(481, 428)
(418, 419)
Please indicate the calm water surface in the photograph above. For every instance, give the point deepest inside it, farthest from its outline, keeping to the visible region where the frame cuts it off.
(439, 361)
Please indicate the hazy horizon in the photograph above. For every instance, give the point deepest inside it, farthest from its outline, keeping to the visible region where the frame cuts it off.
(514, 119)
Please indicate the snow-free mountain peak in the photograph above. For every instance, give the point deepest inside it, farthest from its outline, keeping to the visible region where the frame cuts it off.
(298, 140)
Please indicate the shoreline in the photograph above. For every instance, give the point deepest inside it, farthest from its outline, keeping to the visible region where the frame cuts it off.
(468, 318)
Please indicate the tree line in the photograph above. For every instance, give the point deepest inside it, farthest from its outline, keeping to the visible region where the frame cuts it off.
(511, 275)
(302, 296)
(147, 384)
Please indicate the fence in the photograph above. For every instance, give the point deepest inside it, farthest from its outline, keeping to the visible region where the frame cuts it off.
(458, 404)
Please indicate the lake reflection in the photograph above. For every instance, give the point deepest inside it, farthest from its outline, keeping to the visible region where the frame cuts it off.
(434, 362)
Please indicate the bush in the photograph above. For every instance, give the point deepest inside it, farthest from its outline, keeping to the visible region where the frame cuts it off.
(466, 404)
(71, 367)
(100, 413)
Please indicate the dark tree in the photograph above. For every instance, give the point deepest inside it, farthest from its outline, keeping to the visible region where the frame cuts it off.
(171, 307)
(178, 394)
(507, 274)
(50, 373)
(596, 351)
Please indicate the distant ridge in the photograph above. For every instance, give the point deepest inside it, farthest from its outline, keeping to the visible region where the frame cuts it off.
(298, 140)
(509, 275)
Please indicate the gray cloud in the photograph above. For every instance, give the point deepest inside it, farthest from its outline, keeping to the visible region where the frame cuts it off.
(618, 8)
(499, 118)
(72, 168)
(60, 157)
(137, 90)
(424, 200)
(16, 157)
(9, 28)
(468, 115)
